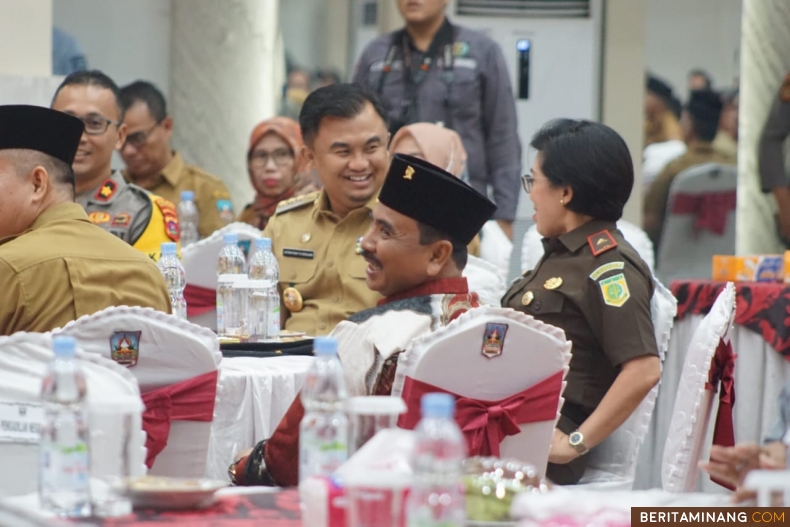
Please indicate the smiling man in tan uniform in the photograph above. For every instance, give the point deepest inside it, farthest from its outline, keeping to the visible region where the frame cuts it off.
(55, 265)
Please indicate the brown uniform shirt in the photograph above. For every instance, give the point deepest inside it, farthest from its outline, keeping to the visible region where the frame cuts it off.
(316, 253)
(602, 303)
(657, 197)
(64, 267)
(211, 195)
(771, 149)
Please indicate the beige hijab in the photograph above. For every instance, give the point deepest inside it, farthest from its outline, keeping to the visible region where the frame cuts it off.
(440, 146)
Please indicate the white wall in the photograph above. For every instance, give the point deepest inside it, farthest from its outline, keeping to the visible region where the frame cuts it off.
(687, 34)
(303, 25)
(26, 37)
(126, 39)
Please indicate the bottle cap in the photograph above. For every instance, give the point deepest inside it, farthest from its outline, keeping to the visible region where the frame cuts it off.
(439, 405)
(168, 248)
(187, 195)
(64, 346)
(324, 346)
(263, 243)
(230, 238)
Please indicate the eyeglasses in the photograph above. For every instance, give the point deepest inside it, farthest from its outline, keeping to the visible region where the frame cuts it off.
(138, 139)
(281, 157)
(527, 182)
(96, 124)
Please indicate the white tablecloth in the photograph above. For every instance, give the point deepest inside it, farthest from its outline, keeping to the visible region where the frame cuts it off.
(253, 395)
(760, 374)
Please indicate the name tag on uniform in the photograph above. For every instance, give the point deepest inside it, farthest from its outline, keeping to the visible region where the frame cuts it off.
(20, 422)
(299, 253)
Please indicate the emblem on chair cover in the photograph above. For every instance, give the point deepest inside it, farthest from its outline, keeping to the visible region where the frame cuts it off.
(125, 347)
(494, 339)
(615, 290)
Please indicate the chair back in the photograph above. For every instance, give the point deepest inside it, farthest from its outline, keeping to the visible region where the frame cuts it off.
(200, 266)
(495, 354)
(24, 358)
(693, 402)
(176, 364)
(699, 222)
(612, 464)
(484, 279)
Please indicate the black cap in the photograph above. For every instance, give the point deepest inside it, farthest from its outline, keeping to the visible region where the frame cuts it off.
(428, 194)
(705, 106)
(659, 88)
(37, 128)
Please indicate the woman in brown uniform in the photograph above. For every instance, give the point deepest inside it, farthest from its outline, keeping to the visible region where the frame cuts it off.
(591, 283)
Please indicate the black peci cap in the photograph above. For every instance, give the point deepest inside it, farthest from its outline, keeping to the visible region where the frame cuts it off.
(429, 195)
(37, 128)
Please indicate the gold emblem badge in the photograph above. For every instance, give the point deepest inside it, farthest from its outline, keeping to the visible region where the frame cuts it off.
(553, 283)
(409, 173)
(305, 237)
(292, 299)
(358, 247)
(615, 290)
(527, 298)
(99, 217)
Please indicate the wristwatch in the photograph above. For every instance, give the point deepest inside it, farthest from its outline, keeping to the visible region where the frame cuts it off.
(576, 440)
(251, 470)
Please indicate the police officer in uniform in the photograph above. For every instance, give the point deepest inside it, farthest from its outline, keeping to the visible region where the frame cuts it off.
(773, 177)
(55, 266)
(151, 164)
(591, 283)
(434, 71)
(314, 236)
(139, 218)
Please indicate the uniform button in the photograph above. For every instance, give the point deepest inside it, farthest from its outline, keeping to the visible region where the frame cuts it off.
(293, 275)
(536, 305)
(336, 300)
(330, 264)
(321, 326)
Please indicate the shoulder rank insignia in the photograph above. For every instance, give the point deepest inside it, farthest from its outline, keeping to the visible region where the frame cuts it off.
(784, 92)
(171, 217)
(615, 290)
(106, 191)
(600, 242)
(297, 202)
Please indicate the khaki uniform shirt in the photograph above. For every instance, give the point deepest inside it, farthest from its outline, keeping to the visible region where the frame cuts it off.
(316, 253)
(601, 302)
(131, 213)
(63, 267)
(771, 149)
(212, 198)
(657, 197)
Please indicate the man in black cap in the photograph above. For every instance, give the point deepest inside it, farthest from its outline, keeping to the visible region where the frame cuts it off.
(700, 122)
(661, 105)
(55, 266)
(416, 252)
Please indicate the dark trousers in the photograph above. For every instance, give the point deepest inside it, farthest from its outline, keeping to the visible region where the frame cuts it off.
(568, 473)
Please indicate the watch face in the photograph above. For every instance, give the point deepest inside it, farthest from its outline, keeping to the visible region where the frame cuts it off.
(575, 438)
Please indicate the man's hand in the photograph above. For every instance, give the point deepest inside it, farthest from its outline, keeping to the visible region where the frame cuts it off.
(561, 451)
(731, 464)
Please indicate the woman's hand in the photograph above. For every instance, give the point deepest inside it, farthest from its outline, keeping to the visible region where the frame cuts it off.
(561, 451)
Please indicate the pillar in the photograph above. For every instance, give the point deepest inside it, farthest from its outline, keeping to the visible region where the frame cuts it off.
(226, 76)
(765, 59)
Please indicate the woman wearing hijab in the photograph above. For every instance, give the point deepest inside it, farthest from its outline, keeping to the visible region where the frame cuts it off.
(277, 171)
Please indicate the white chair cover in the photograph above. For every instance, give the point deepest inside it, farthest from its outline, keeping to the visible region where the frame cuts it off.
(24, 358)
(656, 156)
(684, 254)
(495, 247)
(531, 352)
(693, 403)
(532, 248)
(612, 464)
(200, 263)
(485, 280)
(170, 351)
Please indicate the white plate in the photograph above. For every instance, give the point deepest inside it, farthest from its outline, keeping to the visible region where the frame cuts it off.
(172, 493)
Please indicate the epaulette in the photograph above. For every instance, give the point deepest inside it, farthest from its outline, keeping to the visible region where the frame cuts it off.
(600, 242)
(297, 202)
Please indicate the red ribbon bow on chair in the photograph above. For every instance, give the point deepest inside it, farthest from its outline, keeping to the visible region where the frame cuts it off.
(722, 370)
(486, 423)
(199, 299)
(711, 209)
(189, 400)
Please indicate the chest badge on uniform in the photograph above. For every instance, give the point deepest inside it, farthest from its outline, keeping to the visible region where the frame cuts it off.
(615, 290)
(553, 283)
(600, 242)
(121, 220)
(292, 299)
(225, 209)
(99, 217)
(306, 237)
(527, 299)
(460, 49)
(494, 340)
(106, 191)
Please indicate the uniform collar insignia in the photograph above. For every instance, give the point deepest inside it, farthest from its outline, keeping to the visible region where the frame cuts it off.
(106, 191)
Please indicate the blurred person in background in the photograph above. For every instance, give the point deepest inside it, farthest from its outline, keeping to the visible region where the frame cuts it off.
(726, 140)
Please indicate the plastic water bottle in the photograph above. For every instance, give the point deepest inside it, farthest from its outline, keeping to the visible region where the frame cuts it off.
(63, 479)
(188, 218)
(436, 497)
(175, 278)
(264, 299)
(323, 433)
(231, 277)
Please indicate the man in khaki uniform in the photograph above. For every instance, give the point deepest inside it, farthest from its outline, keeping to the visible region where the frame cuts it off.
(55, 266)
(151, 163)
(322, 280)
(700, 122)
(129, 212)
(771, 156)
